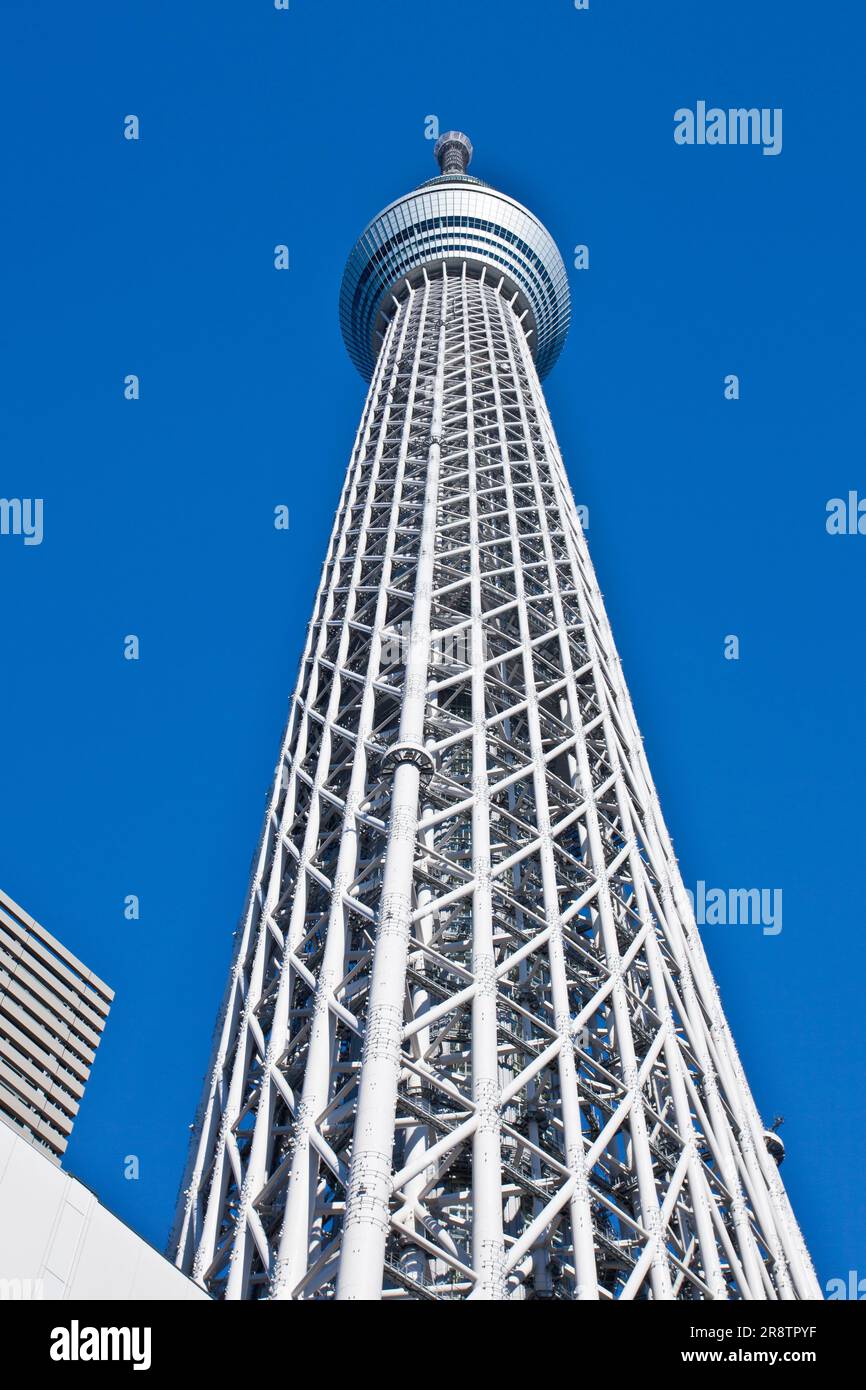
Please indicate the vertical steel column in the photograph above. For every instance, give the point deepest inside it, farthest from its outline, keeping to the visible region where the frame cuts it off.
(296, 1234)
(369, 1195)
(586, 1282)
(194, 1235)
(488, 1255)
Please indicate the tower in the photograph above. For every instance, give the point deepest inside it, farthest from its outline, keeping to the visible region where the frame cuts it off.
(470, 1046)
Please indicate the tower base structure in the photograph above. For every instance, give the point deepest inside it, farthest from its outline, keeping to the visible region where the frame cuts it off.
(471, 1047)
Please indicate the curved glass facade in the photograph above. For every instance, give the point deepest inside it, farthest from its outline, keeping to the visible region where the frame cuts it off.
(455, 218)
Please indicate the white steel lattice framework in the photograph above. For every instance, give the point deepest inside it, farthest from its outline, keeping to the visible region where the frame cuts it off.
(471, 1046)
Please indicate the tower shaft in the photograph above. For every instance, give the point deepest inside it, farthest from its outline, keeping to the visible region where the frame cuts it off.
(471, 1046)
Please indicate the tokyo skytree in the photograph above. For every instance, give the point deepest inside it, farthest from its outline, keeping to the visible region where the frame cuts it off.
(471, 1046)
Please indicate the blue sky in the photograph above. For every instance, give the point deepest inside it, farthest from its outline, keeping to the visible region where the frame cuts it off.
(706, 516)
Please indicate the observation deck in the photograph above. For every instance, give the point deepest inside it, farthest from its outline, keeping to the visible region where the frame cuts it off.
(455, 218)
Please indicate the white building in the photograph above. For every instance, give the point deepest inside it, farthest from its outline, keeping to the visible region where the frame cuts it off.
(57, 1241)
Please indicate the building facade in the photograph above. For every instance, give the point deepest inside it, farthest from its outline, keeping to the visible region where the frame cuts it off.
(59, 1243)
(52, 1013)
(471, 1047)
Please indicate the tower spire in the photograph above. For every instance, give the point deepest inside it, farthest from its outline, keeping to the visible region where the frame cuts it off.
(453, 151)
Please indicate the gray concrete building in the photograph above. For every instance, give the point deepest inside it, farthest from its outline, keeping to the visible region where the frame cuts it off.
(52, 1013)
